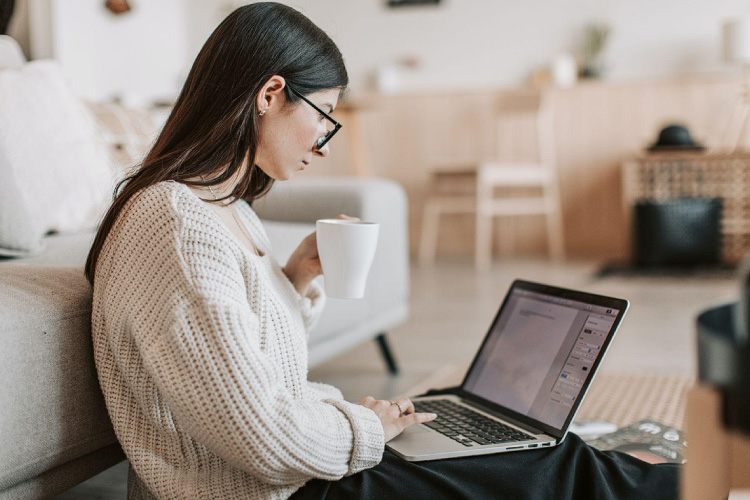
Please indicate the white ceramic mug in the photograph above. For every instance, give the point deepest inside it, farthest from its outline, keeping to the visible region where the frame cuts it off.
(346, 250)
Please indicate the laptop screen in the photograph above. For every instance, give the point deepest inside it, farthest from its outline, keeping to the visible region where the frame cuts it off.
(539, 353)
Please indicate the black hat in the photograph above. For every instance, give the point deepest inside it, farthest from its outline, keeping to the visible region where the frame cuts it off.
(675, 137)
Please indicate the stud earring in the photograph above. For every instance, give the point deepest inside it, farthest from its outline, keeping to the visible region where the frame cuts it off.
(262, 113)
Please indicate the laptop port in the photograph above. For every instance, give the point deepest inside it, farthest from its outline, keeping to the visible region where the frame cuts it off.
(533, 445)
(545, 444)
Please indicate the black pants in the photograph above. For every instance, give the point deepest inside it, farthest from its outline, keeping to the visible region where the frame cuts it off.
(572, 470)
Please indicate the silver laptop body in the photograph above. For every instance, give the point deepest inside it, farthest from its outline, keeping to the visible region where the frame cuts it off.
(527, 380)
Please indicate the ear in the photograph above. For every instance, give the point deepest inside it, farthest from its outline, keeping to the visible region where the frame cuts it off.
(271, 95)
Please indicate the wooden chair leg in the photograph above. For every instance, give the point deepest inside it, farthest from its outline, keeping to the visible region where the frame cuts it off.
(555, 230)
(555, 235)
(483, 241)
(508, 227)
(429, 238)
(485, 219)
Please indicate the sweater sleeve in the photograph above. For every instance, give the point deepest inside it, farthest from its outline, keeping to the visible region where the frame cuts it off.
(312, 305)
(202, 344)
(314, 301)
(230, 397)
(320, 391)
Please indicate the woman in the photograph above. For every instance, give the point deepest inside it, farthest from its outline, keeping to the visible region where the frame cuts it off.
(200, 336)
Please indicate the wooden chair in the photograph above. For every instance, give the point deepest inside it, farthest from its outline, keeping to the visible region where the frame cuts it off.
(527, 187)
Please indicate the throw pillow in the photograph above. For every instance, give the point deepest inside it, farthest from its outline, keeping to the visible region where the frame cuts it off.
(51, 151)
(129, 132)
(20, 228)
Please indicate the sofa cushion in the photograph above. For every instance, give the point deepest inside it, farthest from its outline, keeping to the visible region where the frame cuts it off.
(51, 407)
(60, 250)
(54, 481)
(51, 152)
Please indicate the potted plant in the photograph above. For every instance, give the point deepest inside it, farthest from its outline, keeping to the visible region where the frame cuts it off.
(594, 41)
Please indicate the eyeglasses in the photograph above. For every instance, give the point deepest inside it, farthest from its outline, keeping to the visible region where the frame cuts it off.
(336, 125)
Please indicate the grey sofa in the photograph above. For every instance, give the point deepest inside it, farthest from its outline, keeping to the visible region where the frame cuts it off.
(54, 427)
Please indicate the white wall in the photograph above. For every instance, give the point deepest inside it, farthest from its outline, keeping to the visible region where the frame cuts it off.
(139, 55)
(481, 43)
(462, 43)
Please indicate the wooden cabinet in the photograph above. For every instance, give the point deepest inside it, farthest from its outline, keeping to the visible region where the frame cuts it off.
(668, 176)
(598, 126)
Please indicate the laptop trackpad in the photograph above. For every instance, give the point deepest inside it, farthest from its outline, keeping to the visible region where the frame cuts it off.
(415, 429)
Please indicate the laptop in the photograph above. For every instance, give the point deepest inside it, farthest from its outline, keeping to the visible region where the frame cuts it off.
(527, 380)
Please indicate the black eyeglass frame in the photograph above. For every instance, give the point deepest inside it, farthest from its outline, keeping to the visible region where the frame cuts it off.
(336, 125)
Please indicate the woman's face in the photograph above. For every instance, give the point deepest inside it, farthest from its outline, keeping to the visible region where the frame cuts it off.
(288, 133)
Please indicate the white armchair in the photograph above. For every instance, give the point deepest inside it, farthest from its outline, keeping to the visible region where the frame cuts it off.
(290, 211)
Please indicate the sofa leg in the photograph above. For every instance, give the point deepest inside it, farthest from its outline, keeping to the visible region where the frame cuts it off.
(385, 350)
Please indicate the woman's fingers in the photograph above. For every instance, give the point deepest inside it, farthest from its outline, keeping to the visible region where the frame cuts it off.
(382, 404)
(416, 418)
(406, 405)
(389, 413)
(402, 406)
(346, 217)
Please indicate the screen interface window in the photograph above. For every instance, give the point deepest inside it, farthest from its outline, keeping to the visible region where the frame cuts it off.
(539, 353)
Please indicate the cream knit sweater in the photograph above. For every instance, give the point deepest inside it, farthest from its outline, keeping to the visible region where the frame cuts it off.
(200, 347)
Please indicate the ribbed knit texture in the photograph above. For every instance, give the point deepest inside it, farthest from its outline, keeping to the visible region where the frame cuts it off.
(201, 351)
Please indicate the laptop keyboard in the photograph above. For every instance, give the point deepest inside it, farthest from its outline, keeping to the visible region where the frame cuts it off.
(466, 426)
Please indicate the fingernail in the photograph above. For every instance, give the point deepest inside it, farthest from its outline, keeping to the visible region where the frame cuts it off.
(432, 415)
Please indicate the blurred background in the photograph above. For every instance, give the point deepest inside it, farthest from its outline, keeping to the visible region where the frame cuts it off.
(425, 80)
(591, 144)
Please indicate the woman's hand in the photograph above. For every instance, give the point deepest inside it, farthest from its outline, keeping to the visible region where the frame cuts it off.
(394, 422)
(304, 264)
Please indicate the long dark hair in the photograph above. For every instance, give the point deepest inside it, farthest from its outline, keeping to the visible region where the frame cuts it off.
(214, 125)
(6, 12)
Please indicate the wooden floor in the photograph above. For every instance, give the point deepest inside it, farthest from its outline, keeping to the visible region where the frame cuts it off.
(452, 307)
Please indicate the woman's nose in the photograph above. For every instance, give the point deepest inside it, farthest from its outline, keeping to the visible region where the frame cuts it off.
(322, 152)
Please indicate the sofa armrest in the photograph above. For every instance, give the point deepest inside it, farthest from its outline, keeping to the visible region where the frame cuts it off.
(375, 200)
(307, 200)
(52, 413)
